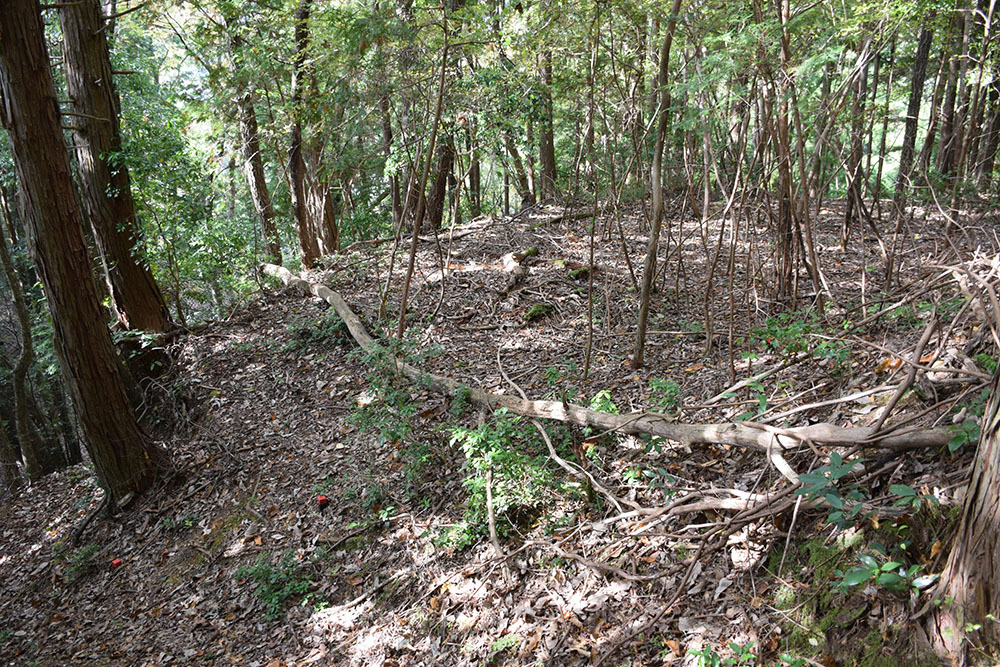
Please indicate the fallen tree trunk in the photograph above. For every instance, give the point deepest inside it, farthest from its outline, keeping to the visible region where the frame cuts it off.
(739, 434)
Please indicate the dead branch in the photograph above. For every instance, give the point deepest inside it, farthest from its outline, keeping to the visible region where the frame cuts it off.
(651, 423)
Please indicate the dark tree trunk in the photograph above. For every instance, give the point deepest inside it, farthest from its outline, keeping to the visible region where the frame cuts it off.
(438, 195)
(257, 182)
(969, 588)
(387, 139)
(855, 193)
(62, 422)
(40, 457)
(250, 138)
(475, 179)
(322, 213)
(124, 459)
(12, 480)
(934, 119)
(296, 162)
(547, 150)
(107, 192)
(912, 116)
(984, 169)
(520, 177)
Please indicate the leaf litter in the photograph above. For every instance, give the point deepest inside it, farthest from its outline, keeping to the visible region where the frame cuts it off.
(232, 560)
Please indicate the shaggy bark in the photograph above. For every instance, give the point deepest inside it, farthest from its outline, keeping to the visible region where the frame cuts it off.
(126, 462)
(107, 192)
(969, 588)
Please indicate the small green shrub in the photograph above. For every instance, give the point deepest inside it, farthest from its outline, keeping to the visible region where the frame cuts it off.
(986, 362)
(275, 584)
(823, 484)
(327, 329)
(78, 562)
(908, 497)
(879, 570)
(522, 480)
(601, 402)
(665, 394)
(742, 655)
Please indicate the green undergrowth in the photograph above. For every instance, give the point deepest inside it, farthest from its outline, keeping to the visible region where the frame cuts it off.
(277, 584)
(826, 587)
(507, 456)
(318, 332)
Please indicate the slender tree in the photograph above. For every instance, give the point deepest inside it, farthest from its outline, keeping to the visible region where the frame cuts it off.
(107, 190)
(12, 480)
(250, 139)
(546, 137)
(296, 161)
(40, 456)
(656, 185)
(126, 462)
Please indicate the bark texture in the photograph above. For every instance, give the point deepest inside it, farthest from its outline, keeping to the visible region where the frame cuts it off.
(256, 180)
(107, 193)
(970, 584)
(308, 246)
(125, 461)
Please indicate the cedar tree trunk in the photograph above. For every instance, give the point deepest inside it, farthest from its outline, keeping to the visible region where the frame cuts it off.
(296, 162)
(912, 115)
(107, 193)
(255, 177)
(970, 585)
(546, 139)
(125, 461)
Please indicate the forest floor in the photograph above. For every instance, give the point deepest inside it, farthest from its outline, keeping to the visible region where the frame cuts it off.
(232, 560)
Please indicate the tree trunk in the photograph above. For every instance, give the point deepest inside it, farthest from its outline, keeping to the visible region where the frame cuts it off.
(969, 588)
(546, 140)
(912, 116)
(256, 180)
(308, 247)
(40, 458)
(935, 111)
(125, 461)
(475, 179)
(253, 161)
(855, 193)
(107, 192)
(520, 177)
(656, 186)
(885, 129)
(12, 480)
(946, 145)
(984, 168)
(387, 139)
(438, 194)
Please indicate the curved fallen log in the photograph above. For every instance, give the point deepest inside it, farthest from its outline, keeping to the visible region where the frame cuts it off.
(741, 434)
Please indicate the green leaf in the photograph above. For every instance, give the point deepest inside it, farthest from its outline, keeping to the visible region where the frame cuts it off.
(868, 561)
(889, 579)
(902, 490)
(857, 576)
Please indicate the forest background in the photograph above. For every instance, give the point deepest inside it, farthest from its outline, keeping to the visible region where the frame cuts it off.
(206, 138)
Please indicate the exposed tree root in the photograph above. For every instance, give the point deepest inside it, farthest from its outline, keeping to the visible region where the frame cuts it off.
(651, 423)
